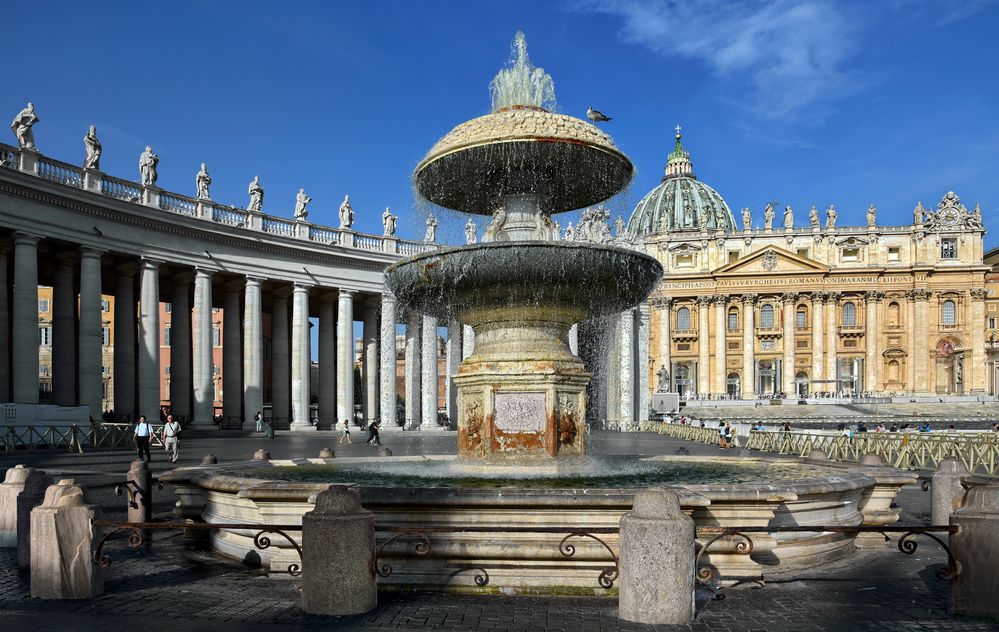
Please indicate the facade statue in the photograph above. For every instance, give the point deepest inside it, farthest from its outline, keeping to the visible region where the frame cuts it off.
(388, 223)
(22, 124)
(768, 216)
(619, 226)
(831, 216)
(813, 217)
(430, 236)
(747, 219)
(918, 213)
(975, 219)
(302, 206)
(872, 216)
(147, 167)
(788, 218)
(662, 380)
(256, 193)
(346, 213)
(94, 149)
(469, 231)
(720, 218)
(570, 232)
(202, 181)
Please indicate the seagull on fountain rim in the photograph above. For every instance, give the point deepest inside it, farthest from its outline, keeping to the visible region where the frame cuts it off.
(596, 115)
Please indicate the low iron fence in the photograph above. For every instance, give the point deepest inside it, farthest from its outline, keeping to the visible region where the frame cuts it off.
(74, 438)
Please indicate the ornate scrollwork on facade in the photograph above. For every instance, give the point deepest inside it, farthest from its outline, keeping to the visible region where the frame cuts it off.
(769, 260)
(952, 215)
(919, 294)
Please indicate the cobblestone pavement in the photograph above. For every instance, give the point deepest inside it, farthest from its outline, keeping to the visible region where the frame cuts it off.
(164, 587)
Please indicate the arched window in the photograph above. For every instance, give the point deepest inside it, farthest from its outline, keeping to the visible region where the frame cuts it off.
(948, 313)
(801, 317)
(894, 314)
(849, 315)
(683, 318)
(767, 316)
(894, 371)
(733, 319)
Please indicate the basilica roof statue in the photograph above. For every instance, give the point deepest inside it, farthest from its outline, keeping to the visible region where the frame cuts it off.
(680, 202)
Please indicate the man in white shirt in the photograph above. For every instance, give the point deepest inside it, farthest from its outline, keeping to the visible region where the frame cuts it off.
(143, 432)
(171, 438)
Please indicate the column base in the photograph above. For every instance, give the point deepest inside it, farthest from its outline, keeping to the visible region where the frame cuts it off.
(302, 427)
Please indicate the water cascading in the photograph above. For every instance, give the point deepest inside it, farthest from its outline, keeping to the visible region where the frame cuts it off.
(522, 393)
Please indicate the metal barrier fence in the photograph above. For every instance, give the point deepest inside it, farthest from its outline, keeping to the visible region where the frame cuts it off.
(74, 438)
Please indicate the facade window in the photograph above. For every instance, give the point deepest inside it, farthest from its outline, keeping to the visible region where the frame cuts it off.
(893, 254)
(167, 307)
(683, 319)
(948, 313)
(894, 314)
(801, 318)
(992, 322)
(45, 335)
(43, 304)
(803, 253)
(894, 371)
(767, 316)
(948, 248)
(166, 335)
(851, 254)
(733, 319)
(733, 256)
(216, 336)
(685, 261)
(849, 315)
(43, 370)
(105, 336)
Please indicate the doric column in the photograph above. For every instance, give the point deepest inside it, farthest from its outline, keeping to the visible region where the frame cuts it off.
(703, 345)
(280, 355)
(428, 379)
(817, 321)
(977, 380)
(149, 335)
(413, 376)
(345, 356)
(454, 331)
(24, 343)
(64, 331)
(642, 363)
(387, 365)
(832, 337)
(4, 324)
(369, 366)
(720, 380)
(328, 417)
(663, 306)
(91, 372)
(300, 359)
(125, 323)
(253, 350)
(468, 341)
(201, 348)
(232, 351)
(873, 297)
(748, 381)
(626, 346)
(180, 345)
(790, 300)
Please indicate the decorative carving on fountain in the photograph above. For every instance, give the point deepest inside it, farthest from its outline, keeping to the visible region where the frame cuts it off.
(470, 430)
(567, 430)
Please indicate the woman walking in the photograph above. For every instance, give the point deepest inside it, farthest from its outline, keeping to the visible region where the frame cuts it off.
(346, 431)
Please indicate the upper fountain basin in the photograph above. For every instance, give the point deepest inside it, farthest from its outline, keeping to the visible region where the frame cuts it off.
(596, 279)
(567, 162)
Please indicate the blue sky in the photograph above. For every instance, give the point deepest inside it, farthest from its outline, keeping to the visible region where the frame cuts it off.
(801, 102)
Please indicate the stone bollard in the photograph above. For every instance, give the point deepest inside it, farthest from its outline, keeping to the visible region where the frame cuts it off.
(30, 497)
(13, 484)
(327, 453)
(383, 451)
(262, 455)
(946, 491)
(818, 455)
(139, 482)
(62, 539)
(338, 551)
(656, 561)
(209, 459)
(975, 590)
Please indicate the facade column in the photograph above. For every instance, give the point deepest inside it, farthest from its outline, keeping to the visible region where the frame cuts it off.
(454, 350)
(125, 323)
(414, 342)
(642, 401)
(748, 381)
(91, 372)
(345, 356)
(832, 338)
(663, 307)
(180, 345)
(921, 342)
(790, 300)
(328, 417)
(149, 334)
(721, 350)
(24, 338)
(703, 346)
(976, 321)
(910, 343)
(818, 362)
(232, 348)
(5, 359)
(201, 348)
(387, 366)
(369, 366)
(429, 377)
(626, 346)
(280, 358)
(253, 350)
(871, 384)
(301, 361)
(64, 331)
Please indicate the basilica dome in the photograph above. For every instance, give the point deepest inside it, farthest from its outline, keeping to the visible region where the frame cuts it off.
(680, 202)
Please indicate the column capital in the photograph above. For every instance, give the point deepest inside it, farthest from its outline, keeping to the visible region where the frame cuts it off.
(979, 293)
(388, 297)
(704, 301)
(720, 299)
(818, 297)
(789, 298)
(299, 287)
(919, 294)
(91, 252)
(749, 299)
(255, 281)
(832, 297)
(661, 302)
(203, 272)
(151, 264)
(347, 293)
(874, 296)
(21, 237)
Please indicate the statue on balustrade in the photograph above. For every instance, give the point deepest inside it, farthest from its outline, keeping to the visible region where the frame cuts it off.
(813, 217)
(831, 216)
(256, 195)
(788, 218)
(302, 205)
(94, 149)
(768, 216)
(570, 232)
(872, 216)
(469, 231)
(747, 218)
(346, 213)
(388, 223)
(22, 124)
(431, 235)
(203, 181)
(619, 227)
(662, 377)
(975, 219)
(147, 167)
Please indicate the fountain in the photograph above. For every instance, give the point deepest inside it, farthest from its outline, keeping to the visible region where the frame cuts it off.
(522, 393)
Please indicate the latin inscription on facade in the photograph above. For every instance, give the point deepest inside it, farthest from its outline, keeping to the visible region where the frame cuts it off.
(520, 412)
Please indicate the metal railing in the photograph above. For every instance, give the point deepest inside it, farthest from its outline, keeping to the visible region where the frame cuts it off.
(74, 438)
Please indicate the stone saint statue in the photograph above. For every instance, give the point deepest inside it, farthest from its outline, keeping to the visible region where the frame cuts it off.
(346, 213)
(768, 216)
(94, 149)
(975, 219)
(388, 223)
(788, 218)
(872, 216)
(256, 193)
(662, 377)
(202, 181)
(147, 167)
(831, 216)
(747, 219)
(302, 205)
(469, 231)
(570, 232)
(431, 235)
(813, 217)
(22, 127)
(619, 227)
(918, 213)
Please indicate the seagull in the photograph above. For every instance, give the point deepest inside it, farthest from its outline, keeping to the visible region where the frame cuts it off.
(596, 115)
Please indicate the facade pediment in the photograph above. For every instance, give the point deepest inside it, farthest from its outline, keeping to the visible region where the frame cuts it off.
(772, 260)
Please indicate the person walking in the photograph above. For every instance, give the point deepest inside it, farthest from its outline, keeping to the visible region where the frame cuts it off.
(721, 435)
(260, 420)
(373, 432)
(171, 438)
(346, 431)
(143, 432)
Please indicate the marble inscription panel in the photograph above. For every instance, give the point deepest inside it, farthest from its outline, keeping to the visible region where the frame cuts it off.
(520, 412)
